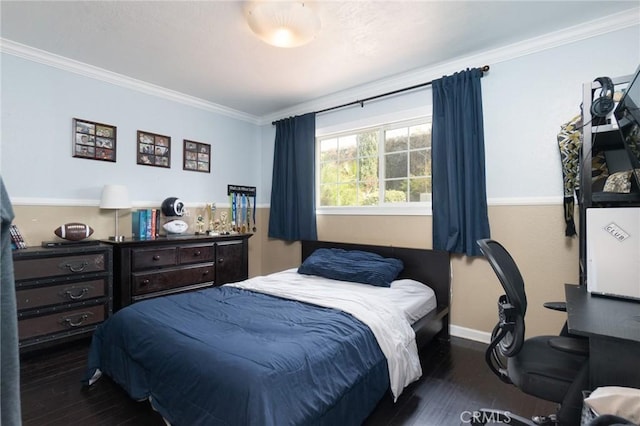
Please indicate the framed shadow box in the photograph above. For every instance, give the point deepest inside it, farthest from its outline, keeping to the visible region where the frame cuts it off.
(154, 150)
(94, 141)
(197, 156)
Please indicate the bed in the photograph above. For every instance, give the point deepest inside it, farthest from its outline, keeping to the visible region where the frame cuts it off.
(287, 348)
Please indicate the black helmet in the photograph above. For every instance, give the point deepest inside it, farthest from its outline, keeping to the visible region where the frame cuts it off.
(172, 206)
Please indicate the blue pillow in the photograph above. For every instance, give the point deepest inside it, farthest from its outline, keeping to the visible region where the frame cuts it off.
(352, 265)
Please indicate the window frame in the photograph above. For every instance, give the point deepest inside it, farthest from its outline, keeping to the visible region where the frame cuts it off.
(408, 208)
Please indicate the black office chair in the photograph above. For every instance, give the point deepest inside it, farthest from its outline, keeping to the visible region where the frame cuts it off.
(554, 368)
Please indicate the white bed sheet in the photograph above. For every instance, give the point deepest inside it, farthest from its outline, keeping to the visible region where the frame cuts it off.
(414, 298)
(389, 322)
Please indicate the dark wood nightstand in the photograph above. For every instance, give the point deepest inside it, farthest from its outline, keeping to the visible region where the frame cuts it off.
(62, 293)
(146, 268)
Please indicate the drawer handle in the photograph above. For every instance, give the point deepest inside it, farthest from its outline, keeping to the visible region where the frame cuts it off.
(156, 257)
(77, 321)
(145, 282)
(197, 253)
(76, 295)
(77, 267)
(221, 260)
(205, 272)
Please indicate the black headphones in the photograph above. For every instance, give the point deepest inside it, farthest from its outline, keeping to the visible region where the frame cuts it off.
(604, 104)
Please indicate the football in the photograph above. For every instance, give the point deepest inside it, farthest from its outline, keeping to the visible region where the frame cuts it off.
(73, 231)
(175, 226)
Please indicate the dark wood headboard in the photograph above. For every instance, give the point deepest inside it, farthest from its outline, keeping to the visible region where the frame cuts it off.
(431, 267)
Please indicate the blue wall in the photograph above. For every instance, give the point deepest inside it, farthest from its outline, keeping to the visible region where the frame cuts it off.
(39, 103)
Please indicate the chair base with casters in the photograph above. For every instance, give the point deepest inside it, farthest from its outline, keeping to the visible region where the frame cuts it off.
(529, 371)
(553, 368)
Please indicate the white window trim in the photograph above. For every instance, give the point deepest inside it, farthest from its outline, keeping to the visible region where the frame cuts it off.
(414, 209)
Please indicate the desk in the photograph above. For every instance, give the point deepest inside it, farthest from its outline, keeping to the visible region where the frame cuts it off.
(613, 328)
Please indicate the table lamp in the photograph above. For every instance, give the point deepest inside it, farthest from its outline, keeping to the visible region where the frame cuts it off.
(115, 197)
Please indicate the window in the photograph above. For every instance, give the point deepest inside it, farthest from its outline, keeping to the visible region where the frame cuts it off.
(381, 166)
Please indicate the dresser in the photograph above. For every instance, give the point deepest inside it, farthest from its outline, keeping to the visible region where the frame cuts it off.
(146, 268)
(62, 293)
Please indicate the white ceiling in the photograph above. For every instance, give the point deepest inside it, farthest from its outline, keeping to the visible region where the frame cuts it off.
(205, 49)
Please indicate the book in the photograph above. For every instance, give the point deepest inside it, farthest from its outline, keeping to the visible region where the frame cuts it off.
(158, 226)
(154, 212)
(142, 230)
(148, 224)
(16, 238)
(135, 224)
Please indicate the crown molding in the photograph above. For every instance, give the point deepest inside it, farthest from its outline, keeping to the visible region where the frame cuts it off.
(608, 24)
(50, 59)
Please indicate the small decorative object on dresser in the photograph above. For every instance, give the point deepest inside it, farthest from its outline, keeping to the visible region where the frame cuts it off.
(211, 207)
(115, 197)
(74, 231)
(175, 226)
(200, 224)
(17, 240)
(172, 206)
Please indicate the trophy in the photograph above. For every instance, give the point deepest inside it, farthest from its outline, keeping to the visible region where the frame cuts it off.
(223, 221)
(212, 215)
(200, 224)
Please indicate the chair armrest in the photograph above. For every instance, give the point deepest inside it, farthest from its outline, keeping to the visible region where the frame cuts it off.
(556, 306)
(569, 344)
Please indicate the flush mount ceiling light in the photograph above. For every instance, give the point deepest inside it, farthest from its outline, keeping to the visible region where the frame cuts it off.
(283, 23)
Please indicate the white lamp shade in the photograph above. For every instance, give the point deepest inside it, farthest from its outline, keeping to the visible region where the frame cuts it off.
(115, 197)
(283, 23)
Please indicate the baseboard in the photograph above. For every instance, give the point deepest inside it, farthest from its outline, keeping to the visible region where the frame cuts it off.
(470, 333)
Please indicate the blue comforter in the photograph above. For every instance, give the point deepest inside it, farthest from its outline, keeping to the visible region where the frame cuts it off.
(235, 357)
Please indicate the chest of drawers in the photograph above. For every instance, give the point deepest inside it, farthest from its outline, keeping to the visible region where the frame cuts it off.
(150, 268)
(61, 293)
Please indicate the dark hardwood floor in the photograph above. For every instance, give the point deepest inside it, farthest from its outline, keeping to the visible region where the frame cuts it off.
(455, 380)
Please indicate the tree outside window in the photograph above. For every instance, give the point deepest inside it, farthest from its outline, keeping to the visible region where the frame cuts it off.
(391, 163)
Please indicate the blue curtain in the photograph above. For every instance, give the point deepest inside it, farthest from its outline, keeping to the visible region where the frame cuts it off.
(458, 168)
(10, 365)
(292, 215)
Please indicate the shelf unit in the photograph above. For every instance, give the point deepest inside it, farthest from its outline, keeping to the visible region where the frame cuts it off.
(600, 135)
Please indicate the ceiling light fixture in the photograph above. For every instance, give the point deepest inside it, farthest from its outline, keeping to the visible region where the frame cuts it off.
(283, 23)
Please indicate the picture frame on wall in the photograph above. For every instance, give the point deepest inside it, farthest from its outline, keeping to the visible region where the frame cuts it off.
(153, 149)
(197, 156)
(93, 140)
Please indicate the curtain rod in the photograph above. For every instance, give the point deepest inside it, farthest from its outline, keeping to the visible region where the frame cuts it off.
(361, 102)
